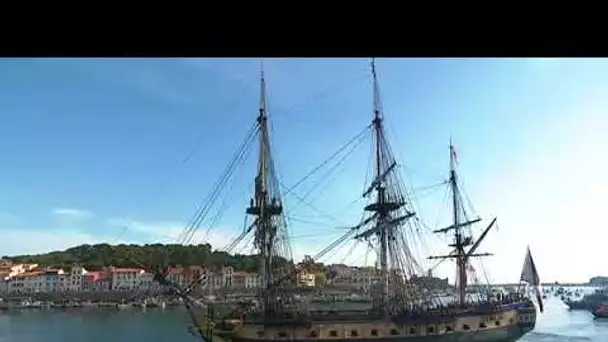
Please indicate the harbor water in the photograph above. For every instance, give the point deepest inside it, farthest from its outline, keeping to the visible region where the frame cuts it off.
(556, 324)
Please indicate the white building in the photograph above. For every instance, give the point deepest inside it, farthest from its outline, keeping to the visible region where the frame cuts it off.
(252, 280)
(356, 277)
(76, 277)
(223, 278)
(126, 279)
(147, 282)
(245, 280)
(227, 275)
(27, 283)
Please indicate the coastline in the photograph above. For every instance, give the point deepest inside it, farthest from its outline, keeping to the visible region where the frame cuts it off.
(84, 300)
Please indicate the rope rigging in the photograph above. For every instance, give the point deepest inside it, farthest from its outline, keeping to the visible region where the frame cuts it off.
(322, 94)
(327, 160)
(291, 275)
(392, 224)
(186, 236)
(331, 170)
(163, 185)
(204, 209)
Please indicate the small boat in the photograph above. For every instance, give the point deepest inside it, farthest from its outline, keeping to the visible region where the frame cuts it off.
(589, 301)
(123, 306)
(601, 310)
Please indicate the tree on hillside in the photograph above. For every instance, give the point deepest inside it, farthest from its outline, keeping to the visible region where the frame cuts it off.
(150, 255)
(311, 266)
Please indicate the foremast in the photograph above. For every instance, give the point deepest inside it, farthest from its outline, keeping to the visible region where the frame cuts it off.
(387, 201)
(266, 206)
(462, 233)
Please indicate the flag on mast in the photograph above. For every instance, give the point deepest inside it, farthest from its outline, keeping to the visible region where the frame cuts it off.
(453, 153)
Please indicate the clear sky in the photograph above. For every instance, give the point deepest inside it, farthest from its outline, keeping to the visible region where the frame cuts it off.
(91, 145)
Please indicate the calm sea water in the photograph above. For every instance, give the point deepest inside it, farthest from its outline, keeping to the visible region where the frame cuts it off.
(556, 324)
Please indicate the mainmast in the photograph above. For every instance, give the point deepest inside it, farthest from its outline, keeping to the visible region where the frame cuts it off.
(380, 209)
(386, 202)
(265, 205)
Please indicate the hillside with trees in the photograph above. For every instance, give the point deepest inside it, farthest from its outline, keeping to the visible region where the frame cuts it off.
(150, 255)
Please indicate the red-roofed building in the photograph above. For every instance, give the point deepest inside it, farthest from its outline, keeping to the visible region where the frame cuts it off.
(192, 274)
(177, 275)
(91, 280)
(103, 283)
(239, 279)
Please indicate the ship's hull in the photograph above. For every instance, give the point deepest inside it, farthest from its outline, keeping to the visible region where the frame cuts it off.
(506, 324)
(506, 334)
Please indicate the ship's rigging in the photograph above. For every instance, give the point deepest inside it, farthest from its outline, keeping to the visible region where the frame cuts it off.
(462, 233)
(389, 225)
(270, 228)
(386, 226)
(388, 210)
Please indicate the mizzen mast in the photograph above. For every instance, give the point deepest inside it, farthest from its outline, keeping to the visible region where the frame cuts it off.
(462, 236)
(460, 241)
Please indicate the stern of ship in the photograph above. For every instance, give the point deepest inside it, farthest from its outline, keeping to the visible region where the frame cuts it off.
(526, 313)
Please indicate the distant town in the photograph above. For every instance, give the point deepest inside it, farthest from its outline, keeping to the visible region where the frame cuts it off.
(84, 272)
(18, 279)
(24, 279)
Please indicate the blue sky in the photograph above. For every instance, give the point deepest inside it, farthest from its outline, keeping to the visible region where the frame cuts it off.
(92, 145)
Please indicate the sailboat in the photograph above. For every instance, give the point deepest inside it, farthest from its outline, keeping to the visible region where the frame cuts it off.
(401, 309)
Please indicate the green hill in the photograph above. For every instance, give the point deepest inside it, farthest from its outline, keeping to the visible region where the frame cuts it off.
(100, 255)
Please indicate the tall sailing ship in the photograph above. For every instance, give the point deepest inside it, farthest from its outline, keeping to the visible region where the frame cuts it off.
(400, 309)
